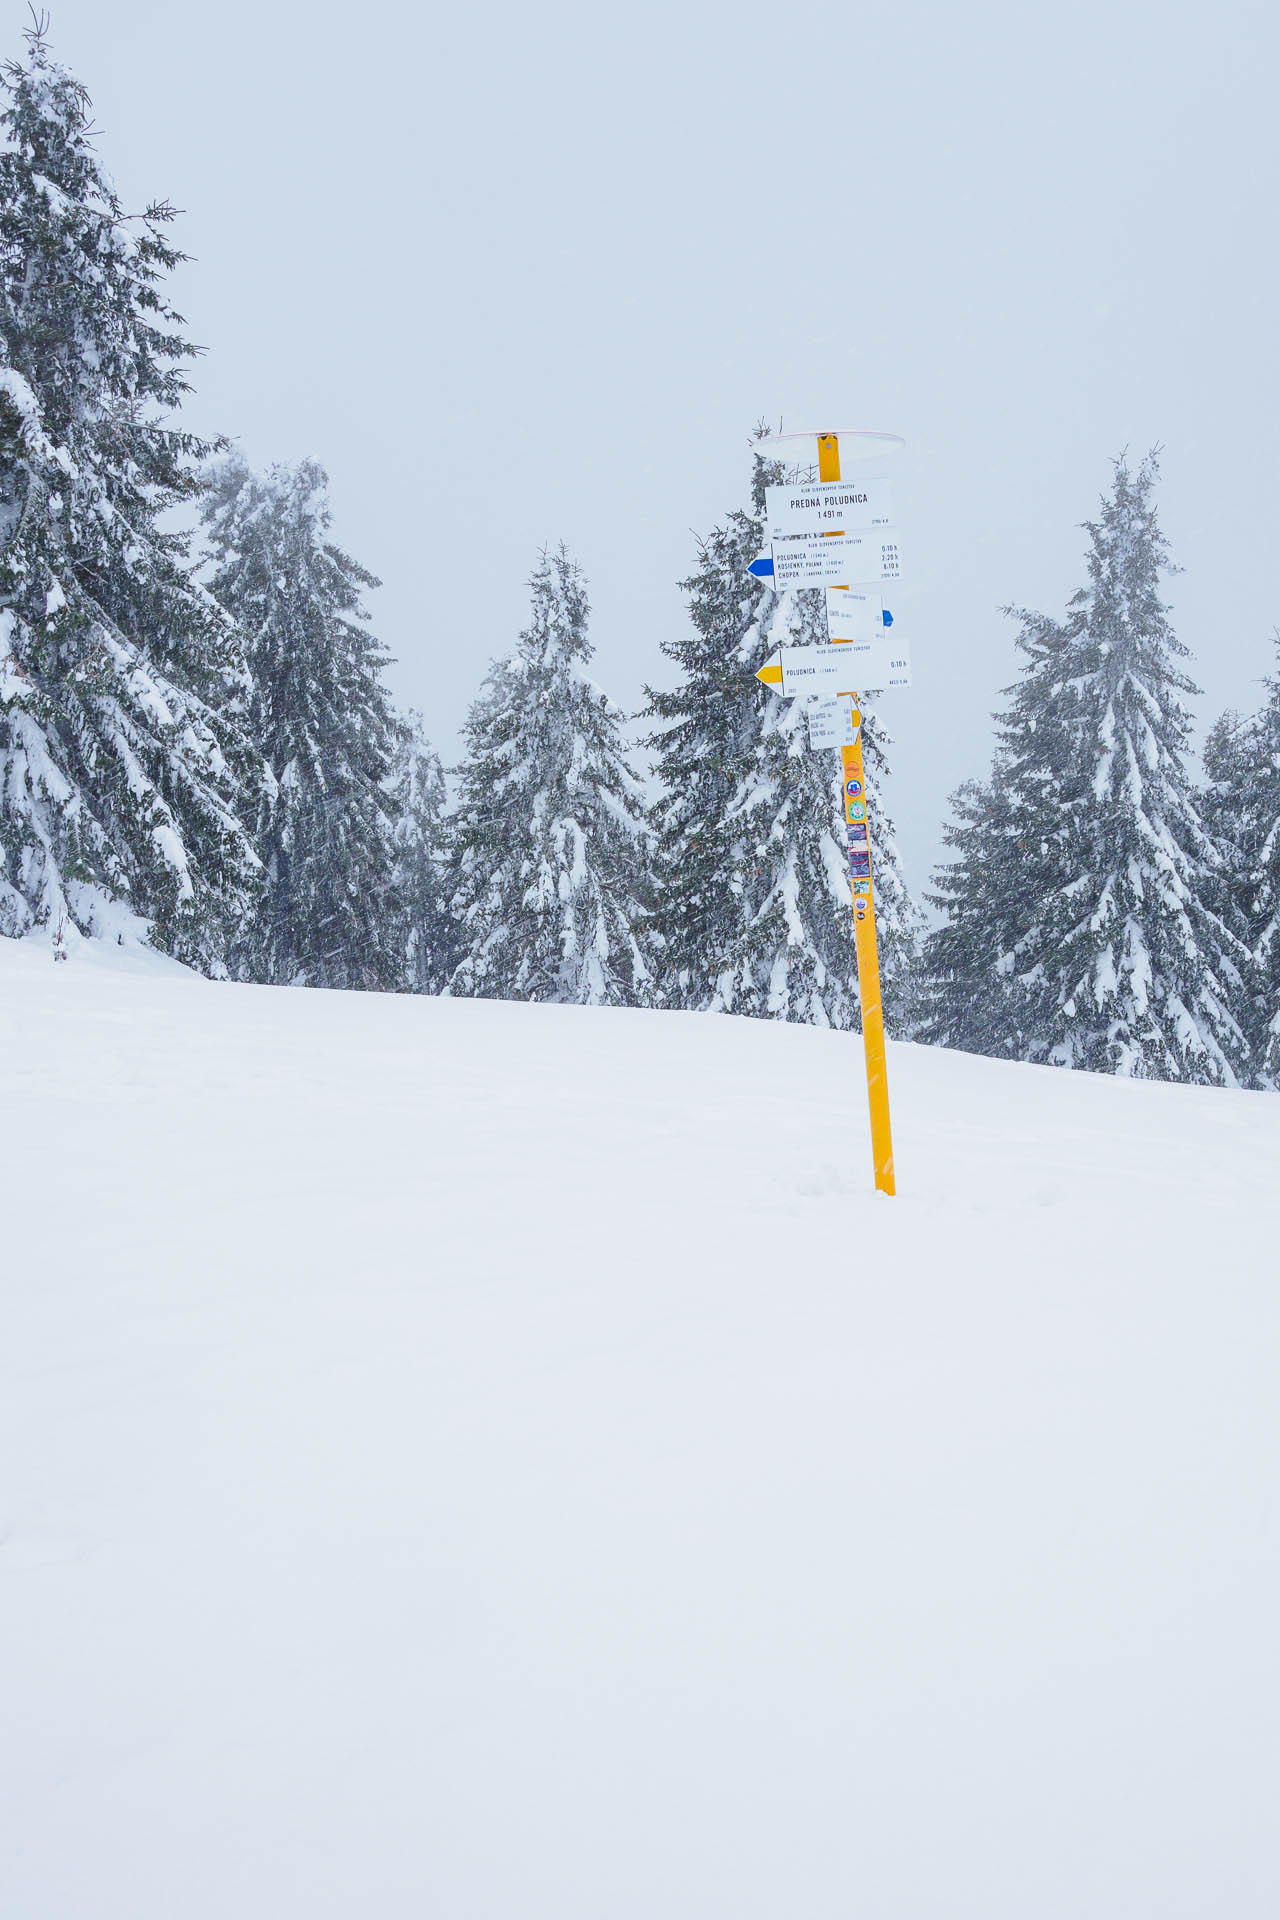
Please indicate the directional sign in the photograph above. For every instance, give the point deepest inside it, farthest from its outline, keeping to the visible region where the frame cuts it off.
(835, 506)
(837, 669)
(831, 723)
(856, 614)
(800, 670)
(761, 568)
(843, 559)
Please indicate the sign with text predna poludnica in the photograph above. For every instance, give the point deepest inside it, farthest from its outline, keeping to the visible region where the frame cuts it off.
(827, 506)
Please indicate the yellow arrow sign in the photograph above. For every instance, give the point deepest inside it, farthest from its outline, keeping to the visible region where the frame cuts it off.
(813, 670)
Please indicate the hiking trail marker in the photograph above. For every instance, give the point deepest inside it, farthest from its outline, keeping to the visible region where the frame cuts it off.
(838, 539)
(832, 723)
(836, 559)
(824, 670)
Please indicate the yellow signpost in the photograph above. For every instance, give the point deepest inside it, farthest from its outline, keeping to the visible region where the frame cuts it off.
(854, 794)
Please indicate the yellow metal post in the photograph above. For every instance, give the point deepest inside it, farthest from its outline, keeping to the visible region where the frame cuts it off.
(854, 792)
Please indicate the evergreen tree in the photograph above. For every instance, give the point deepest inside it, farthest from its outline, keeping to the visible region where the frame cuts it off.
(754, 912)
(329, 914)
(1266, 933)
(422, 863)
(123, 754)
(1011, 837)
(709, 729)
(551, 855)
(1242, 808)
(1084, 904)
(1234, 805)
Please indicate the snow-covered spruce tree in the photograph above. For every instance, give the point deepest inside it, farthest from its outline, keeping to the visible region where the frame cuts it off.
(1266, 939)
(754, 912)
(550, 849)
(1012, 838)
(1084, 925)
(329, 914)
(124, 762)
(1242, 808)
(709, 726)
(422, 864)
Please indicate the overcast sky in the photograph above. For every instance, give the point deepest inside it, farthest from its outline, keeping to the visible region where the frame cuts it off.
(518, 275)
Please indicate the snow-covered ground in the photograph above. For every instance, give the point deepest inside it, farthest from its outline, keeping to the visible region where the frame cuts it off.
(503, 1463)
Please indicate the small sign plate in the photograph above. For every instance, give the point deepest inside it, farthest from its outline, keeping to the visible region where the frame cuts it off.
(855, 613)
(830, 724)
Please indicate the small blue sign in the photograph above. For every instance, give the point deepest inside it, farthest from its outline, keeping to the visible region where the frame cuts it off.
(761, 568)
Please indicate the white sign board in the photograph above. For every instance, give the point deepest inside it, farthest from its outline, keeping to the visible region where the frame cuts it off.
(855, 614)
(843, 669)
(830, 724)
(827, 506)
(843, 559)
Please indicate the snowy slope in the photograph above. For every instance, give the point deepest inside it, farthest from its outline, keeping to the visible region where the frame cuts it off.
(503, 1463)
